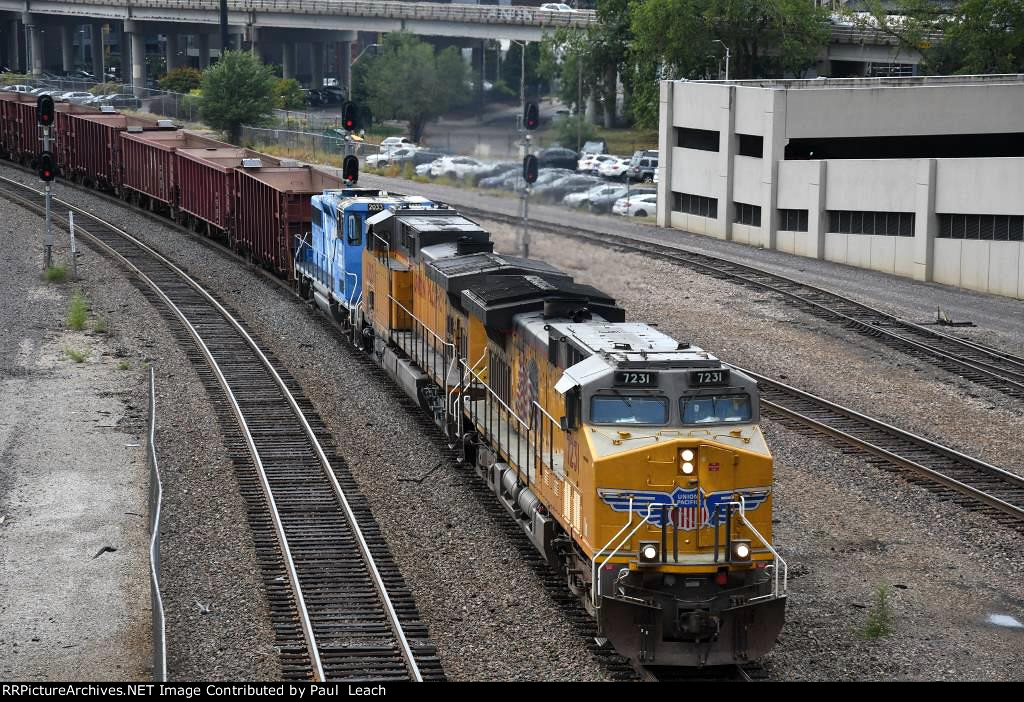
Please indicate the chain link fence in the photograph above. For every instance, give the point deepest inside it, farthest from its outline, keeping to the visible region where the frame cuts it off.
(314, 147)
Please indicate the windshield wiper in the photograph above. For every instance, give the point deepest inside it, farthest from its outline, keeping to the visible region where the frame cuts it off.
(623, 398)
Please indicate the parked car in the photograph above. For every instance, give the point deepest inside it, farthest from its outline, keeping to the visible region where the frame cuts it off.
(557, 157)
(556, 7)
(512, 178)
(636, 205)
(396, 141)
(455, 166)
(425, 157)
(545, 176)
(586, 197)
(390, 156)
(493, 169)
(589, 163)
(596, 146)
(19, 89)
(604, 203)
(77, 97)
(614, 169)
(79, 74)
(643, 170)
(558, 189)
(117, 100)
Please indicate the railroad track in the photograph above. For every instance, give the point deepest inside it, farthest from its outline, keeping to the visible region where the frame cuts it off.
(745, 672)
(986, 366)
(952, 475)
(338, 604)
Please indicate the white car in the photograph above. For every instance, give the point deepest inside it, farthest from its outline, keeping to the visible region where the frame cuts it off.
(19, 89)
(636, 205)
(394, 142)
(76, 97)
(424, 169)
(591, 162)
(455, 166)
(387, 156)
(578, 199)
(614, 169)
(556, 7)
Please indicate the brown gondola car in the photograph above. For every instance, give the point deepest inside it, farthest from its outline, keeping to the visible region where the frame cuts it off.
(90, 146)
(22, 138)
(149, 158)
(276, 212)
(205, 180)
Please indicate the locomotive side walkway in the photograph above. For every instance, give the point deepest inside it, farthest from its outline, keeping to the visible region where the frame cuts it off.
(73, 477)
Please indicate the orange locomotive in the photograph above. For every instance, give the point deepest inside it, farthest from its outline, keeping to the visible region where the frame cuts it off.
(633, 461)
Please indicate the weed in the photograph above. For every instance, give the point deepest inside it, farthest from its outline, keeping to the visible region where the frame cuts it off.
(56, 274)
(78, 311)
(880, 617)
(123, 366)
(100, 326)
(76, 356)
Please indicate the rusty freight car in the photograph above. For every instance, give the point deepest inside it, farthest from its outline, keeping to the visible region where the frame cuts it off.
(150, 178)
(90, 146)
(206, 186)
(277, 211)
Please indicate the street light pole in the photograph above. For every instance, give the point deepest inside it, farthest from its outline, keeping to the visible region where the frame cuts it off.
(726, 57)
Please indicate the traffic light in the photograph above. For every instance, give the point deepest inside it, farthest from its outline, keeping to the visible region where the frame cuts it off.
(350, 169)
(46, 168)
(530, 168)
(44, 110)
(348, 119)
(531, 116)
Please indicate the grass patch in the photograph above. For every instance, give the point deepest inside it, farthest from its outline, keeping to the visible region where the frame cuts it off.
(56, 274)
(101, 326)
(308, 155)
(78, 311)
(880, 617)
(76, 356)
(621, 142)
(123, 366)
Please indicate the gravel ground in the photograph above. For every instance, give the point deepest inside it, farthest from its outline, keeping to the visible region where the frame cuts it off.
(74, 561)
(837, 515)
(487, 611)
(998, 318)
(834, 511)
(206, 549)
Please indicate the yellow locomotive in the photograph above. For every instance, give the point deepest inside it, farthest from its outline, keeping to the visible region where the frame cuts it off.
(633, 461)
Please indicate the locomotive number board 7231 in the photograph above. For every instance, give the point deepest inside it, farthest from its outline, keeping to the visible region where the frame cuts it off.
(644, 379)
(717, 376)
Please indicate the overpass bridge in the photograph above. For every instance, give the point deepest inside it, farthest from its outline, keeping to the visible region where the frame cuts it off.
(308, 34)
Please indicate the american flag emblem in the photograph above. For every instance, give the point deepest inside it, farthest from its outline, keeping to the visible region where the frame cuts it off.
(688, 509)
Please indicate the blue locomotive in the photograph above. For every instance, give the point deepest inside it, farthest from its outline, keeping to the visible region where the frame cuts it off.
(329, 258)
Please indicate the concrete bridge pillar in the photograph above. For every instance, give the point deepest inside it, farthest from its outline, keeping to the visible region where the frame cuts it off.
(478, 75)
(67, 53)
(204, 51)
(137, 40)
(316, 57)
(35, 38)
(344, 51)
(15, 56)
(97, 51)
(287, 60)
(171, 50)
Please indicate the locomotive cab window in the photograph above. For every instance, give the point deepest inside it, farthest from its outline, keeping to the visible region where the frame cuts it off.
(715, 409)
(355, 230)
(628, 409)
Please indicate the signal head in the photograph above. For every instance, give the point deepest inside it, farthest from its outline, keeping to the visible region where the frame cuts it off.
(45, 110)
(349, 116)
(350, 169)
(45, 167)
(531, 116)
(530, 168)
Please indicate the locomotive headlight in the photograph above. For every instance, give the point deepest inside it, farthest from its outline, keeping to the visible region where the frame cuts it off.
(741, 550)
(688, 468)
(688, 454)
(648, 552)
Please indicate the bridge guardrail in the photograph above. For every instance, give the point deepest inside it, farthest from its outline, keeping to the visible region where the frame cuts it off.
(431, 11)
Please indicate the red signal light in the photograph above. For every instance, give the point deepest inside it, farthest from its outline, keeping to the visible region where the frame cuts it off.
(45, 167)
(44, 110)
(348, 118)
(531, 116)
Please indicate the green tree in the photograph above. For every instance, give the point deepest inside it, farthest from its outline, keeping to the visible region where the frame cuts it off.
(237, 90)
(409, 82)
(288, 94)
(181, 80)
(971, 37)
(678, 39)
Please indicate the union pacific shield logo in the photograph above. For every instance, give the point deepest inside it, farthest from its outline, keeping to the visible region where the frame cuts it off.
(688, 509)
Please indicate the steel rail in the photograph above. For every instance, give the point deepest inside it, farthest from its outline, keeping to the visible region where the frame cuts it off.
(1014, 482)
(378, 582)
(1009, 380)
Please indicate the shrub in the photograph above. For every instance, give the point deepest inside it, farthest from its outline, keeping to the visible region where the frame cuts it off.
(76, 356)
(181, 80)
(106, 89)
(56, 274)
(78, 311)
(566, 130)
(288, 94)
(880, 617)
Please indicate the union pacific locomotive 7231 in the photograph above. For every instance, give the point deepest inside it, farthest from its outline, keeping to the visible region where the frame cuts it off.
(632, 460)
